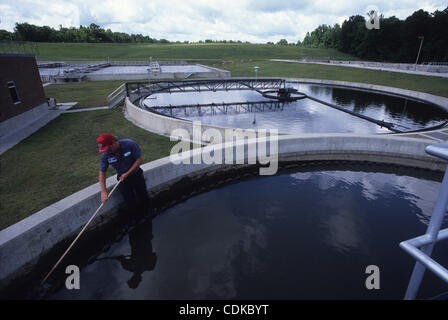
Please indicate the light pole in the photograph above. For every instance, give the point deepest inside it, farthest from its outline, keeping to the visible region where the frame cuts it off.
(421, 43)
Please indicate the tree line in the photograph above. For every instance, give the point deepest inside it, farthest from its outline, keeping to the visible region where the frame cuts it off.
(92, 34)
(396, 40)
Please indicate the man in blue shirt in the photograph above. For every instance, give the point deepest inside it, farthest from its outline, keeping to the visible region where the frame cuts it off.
(126, 157)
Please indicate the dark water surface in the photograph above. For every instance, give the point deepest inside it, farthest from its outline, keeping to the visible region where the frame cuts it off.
(297, 235)
(307, 116)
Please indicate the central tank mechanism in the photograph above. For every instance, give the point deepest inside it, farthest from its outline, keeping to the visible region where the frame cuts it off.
(288, 94)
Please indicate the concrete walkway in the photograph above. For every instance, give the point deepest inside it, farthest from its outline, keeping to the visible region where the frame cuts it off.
(9, 141)
(86, 109)
(352, 65)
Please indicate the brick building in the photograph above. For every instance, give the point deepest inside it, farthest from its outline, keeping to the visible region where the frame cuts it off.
(20, 85)
(22, 99)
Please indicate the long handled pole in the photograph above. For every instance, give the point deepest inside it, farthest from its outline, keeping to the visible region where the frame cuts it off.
(79, 234)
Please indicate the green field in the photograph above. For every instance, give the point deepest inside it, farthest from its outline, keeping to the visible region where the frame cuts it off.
(214, 51)
(62, 157)
(87, 94)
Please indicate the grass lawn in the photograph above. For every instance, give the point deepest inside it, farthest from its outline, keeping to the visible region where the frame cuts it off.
(62, 158)
(87, 94)
(216, 51)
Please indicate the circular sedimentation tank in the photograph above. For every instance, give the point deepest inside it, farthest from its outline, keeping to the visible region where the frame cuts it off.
(308, 232)
(315, 109)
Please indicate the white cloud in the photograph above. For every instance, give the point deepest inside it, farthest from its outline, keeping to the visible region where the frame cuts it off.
(42, 13)
(193, 20)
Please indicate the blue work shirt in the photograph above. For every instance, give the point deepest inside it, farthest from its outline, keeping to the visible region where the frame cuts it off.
(129, 153)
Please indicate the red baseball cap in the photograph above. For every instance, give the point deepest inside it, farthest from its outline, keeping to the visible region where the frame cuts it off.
(104, 141)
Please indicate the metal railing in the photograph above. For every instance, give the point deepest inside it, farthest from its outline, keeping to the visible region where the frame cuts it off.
(128, 63)
(435, 63)
(421, 247)
(116, 96)
(137, 90)
(113, 61)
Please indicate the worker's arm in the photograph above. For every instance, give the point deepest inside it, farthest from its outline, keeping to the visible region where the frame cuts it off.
(134, 166)
(102, 179)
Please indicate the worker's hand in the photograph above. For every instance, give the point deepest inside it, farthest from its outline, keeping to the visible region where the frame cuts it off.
(104, 196)
(124, 176)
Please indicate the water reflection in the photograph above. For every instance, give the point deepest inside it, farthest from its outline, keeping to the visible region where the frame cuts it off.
(204, 97)
(304, 116)
(142, 258)
(297, 235)
(393, 108)
(345, 225)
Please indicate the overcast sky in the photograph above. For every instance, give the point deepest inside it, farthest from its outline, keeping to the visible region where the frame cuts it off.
(257, 21)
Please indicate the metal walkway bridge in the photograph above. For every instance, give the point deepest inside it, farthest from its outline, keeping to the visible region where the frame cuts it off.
(138, 90)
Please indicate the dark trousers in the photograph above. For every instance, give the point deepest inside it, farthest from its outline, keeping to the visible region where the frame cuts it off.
(133, 190)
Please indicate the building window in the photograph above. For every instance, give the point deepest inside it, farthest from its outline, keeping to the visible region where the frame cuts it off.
(13, 92)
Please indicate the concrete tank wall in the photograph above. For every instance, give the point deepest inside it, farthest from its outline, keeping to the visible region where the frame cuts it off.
(141, 72)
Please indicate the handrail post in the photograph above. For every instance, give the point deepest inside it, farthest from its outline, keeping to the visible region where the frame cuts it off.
(432, 232)
(439, 150)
